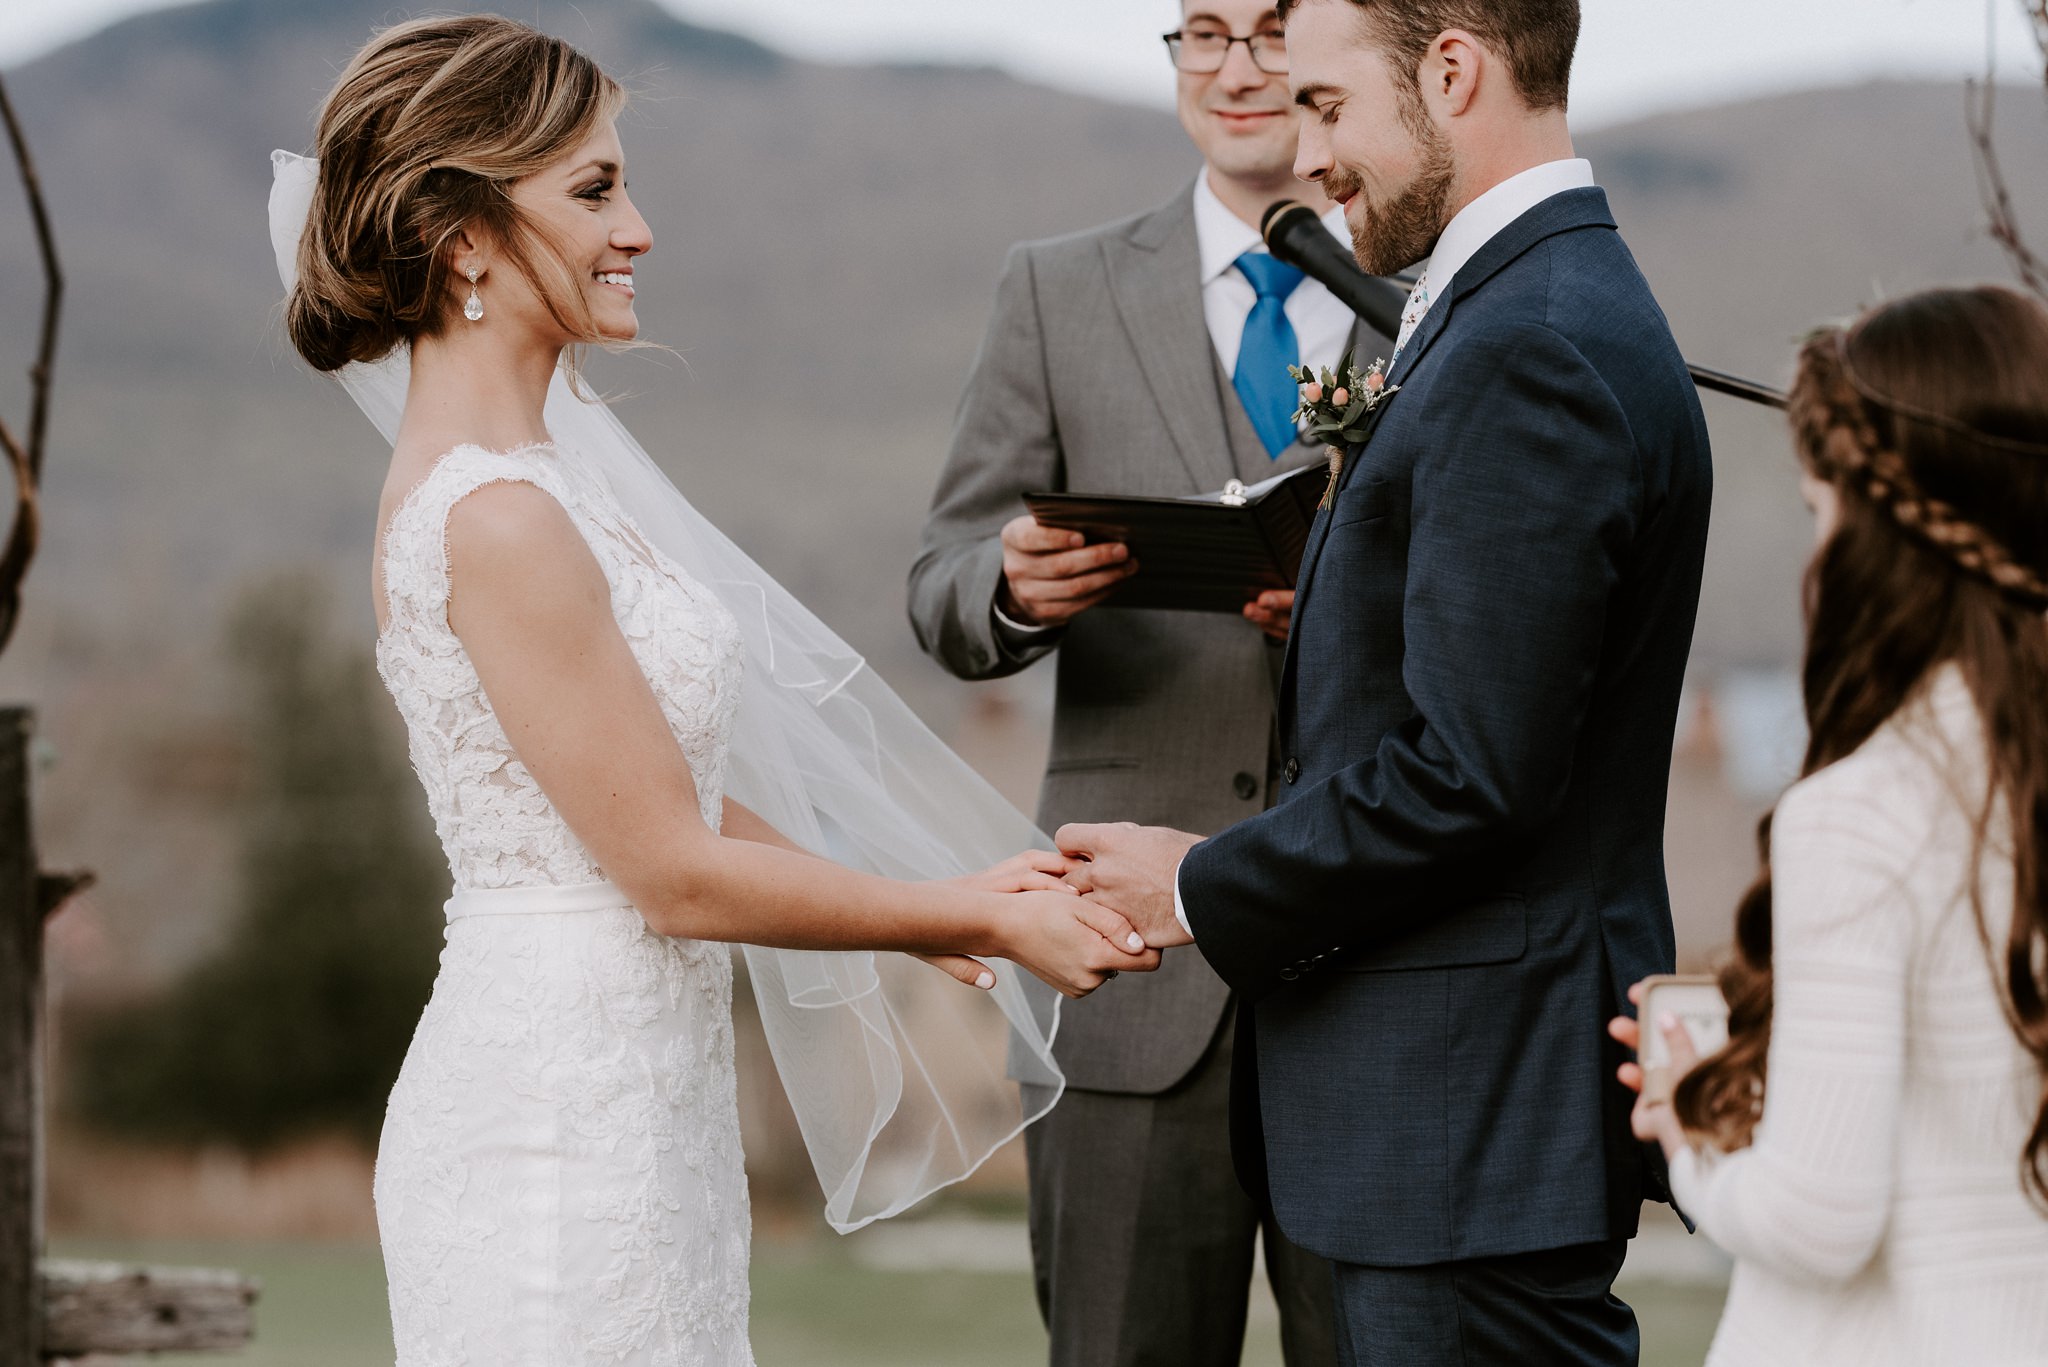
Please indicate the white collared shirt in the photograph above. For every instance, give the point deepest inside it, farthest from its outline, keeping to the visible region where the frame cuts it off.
(1475, 225)
(1479, 222)
(1322, 325)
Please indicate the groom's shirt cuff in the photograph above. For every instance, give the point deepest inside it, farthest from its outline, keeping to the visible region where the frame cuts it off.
(1180, 909)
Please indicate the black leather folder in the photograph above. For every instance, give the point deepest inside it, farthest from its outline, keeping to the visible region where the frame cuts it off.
(1199, 553)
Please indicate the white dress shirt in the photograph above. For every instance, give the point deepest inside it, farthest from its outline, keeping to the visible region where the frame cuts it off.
(1475, 225)
(1322, 324)
(1481, 220)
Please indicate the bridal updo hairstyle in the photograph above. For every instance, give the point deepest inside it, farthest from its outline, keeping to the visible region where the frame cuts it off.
(423, 136)
(1929, 417)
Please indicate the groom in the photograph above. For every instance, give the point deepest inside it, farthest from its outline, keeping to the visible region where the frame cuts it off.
(1465, 870)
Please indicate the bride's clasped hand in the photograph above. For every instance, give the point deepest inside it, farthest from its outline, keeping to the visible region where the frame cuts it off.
(1071, 942)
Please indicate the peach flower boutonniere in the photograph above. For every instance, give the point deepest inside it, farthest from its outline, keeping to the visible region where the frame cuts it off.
(1334, 407)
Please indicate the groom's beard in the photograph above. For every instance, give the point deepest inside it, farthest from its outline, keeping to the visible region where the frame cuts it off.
(1400, 230)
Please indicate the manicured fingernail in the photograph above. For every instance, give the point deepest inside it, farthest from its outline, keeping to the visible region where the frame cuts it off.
(986, 980)
(1667, 1021)
(1135, 941)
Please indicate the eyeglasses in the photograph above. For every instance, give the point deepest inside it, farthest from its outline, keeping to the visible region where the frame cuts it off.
(1204, 51)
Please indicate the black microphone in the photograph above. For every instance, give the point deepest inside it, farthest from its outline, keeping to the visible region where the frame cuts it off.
(1295, 234)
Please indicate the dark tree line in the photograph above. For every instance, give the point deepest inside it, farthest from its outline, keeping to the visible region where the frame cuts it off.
(300, 1021)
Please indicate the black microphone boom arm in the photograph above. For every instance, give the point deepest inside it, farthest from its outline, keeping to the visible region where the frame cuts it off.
(1295, 234)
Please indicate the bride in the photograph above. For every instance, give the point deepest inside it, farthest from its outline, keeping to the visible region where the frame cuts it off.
(593, 680)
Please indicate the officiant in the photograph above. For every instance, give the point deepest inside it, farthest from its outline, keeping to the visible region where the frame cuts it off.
(1147, 356)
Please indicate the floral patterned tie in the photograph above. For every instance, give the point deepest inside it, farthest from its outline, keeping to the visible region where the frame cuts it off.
(1419, 300)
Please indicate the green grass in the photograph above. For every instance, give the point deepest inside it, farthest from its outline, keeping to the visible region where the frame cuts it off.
(1677, 1320)
(323, 1306)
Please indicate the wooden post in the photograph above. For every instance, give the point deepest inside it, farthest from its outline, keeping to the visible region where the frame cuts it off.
(21, 1110)
(111, 1308)
(61, 1308)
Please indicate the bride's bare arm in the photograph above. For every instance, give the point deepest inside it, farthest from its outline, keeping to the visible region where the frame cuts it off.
(533, 610)
(1033, 869)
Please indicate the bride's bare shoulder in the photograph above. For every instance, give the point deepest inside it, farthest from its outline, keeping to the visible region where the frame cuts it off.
(515, 555)
(510, 515)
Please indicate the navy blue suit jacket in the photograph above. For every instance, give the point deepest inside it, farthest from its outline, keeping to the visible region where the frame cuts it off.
(1466, 870)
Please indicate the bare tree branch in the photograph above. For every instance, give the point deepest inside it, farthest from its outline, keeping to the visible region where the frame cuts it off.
(25, 458)
(1996, 195)
(1981, 105)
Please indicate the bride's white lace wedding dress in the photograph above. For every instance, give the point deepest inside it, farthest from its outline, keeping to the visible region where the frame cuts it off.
(559, 1180)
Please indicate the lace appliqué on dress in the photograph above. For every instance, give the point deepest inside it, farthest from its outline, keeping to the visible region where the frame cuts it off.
(495, 824)
(560, 1178)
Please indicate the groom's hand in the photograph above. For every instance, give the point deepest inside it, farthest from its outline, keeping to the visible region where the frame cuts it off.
(1131, 869)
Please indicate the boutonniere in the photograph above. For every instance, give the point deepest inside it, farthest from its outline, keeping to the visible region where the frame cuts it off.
(1334, 408)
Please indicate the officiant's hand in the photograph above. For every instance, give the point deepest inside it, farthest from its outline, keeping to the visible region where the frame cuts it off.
(1051, 576)
(1131, 869)
(1272, 612)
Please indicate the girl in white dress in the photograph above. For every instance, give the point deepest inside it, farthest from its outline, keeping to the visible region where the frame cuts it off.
(1872, 1145)
(560, 1176)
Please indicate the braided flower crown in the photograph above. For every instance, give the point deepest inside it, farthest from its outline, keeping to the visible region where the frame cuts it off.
(1832, 417)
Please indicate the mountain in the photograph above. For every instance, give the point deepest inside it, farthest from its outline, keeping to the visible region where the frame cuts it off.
(827, 243)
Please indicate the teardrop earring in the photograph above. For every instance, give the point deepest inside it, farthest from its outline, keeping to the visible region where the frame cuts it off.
(473, 307)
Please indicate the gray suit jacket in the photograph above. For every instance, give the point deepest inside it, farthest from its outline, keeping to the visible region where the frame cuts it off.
(1098, 375)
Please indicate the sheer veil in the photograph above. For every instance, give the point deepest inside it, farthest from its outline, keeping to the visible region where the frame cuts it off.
(897, 1075)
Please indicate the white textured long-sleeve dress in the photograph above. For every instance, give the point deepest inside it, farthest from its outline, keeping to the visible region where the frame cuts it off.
(1879, 1218)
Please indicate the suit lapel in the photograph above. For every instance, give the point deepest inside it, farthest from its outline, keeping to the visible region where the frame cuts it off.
(1320, 532)
(1317, 536)
(1155, 277)
(1564, 212)
(1426, 332)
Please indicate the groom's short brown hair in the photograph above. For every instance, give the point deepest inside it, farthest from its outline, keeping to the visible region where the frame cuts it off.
(1536, 38)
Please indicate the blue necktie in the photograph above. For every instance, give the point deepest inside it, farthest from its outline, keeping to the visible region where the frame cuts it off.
(1268, 348)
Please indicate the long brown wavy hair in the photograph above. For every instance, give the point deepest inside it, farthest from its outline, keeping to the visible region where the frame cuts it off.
(1929, 417)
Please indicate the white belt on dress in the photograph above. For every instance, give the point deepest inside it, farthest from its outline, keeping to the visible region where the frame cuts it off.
(561, 897)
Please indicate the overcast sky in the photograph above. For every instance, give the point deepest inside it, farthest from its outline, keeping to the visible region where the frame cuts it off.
(1637, 57)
